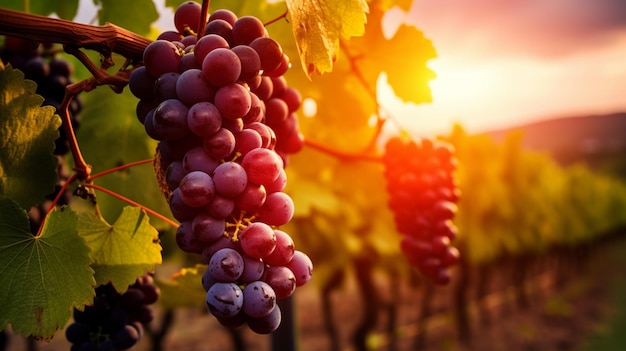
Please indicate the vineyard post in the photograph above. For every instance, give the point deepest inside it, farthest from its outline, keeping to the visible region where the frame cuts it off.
(284, 338)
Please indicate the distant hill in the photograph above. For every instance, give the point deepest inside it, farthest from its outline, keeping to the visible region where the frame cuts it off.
(597, 140)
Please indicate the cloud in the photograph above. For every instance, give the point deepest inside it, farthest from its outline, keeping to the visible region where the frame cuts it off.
(547, 28)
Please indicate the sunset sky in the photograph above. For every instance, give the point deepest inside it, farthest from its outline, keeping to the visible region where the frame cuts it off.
(506, 62)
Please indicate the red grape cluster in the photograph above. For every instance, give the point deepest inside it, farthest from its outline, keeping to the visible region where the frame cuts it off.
(225, 120)
(423, 196)
(114, 321)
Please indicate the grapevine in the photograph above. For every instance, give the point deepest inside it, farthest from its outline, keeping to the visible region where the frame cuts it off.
(211, 113)
(213, 94)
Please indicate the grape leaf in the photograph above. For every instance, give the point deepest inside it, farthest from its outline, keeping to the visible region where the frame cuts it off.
(123, 251)
(126, 141)
(27, 134)
(65, 9)
(136, 16)
(403, 57)
(183, 289)
(41, 278)
(319, 25)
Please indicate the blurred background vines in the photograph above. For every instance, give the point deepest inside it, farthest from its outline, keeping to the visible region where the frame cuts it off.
(532, 219)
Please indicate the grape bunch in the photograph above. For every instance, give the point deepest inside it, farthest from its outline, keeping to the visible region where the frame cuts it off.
(40, 63)
(423, 197)
(225, 120)
(114, 321)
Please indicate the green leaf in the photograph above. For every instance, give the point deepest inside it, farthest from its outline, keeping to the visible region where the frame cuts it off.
(123, 251)
(319, 25)
(183, 289)
(41, 278)
(27, 134)
(110, 135)
(403, 57)
(65, 9)
(136, 15)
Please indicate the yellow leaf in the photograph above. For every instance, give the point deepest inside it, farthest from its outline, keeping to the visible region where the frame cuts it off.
(123, 251)
(318, 25)
(403, 57)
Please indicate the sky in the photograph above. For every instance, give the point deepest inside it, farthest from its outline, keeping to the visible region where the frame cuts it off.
(503, 63)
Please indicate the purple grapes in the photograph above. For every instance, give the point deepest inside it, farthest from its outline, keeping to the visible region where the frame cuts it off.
(225, 120)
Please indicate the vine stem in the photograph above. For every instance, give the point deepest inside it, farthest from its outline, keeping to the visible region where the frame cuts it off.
(345, 156)
(119, 168)
(105, 39)
(80, 165)
(56, 201)
(380, 121)
(204, 15)
(283, 15)
(133, 203)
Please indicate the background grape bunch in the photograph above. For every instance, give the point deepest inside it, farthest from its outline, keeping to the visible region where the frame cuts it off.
(225, 120)
(114, 321)
(423, 196)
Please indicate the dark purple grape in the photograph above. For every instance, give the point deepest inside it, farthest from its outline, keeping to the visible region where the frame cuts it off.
(281, 279)
(252, 198)
(193, 88)
(220, 27)
(170, 119)
(259, 299)
(187, 16)
(284, 251)
(230, 179)
(208, 228)
(247, 140)
(197, 159)
(270, 52)
(165, 86)
(277, 209)
(204, 119)
(250, 61)
(223, 14)
(221, 67)
(206, 44)
(196, 189)
(258, 240)
(233, 101)
(161, 56)
(126, 337)
(267, 324)
(226, 266)
(220, 144)
(301, 266)
(224, 300)
(246, 29)
(180, 210)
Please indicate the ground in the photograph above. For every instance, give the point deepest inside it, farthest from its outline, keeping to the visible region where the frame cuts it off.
(582, 314)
